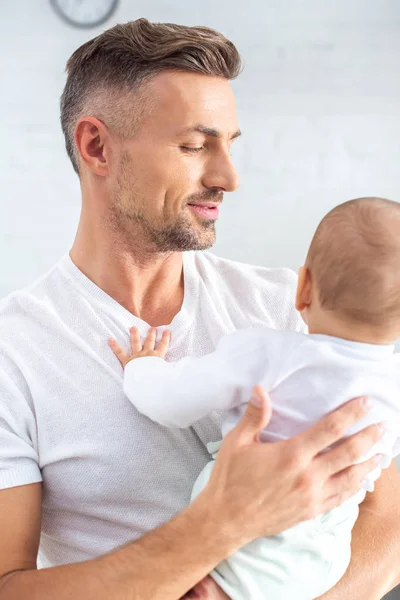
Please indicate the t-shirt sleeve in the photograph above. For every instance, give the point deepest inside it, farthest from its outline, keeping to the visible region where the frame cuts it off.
(179, 394)
(19, 461)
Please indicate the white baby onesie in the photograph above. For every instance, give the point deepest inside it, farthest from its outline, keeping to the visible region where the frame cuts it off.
(307, 377)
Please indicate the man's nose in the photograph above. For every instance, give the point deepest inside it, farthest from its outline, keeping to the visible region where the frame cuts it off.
(221, 174)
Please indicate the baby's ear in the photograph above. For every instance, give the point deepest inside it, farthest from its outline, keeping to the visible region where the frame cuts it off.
(303, 293)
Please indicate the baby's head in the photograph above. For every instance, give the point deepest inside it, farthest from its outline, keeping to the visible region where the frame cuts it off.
(350, 284)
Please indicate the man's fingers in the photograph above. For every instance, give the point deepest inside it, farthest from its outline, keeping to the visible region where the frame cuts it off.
(333, 427)
(349, 451)
(207, 589)
(348, 482)
(119, 352)
(136, 342)
(163, 344)
(256, 417)
(150, 340)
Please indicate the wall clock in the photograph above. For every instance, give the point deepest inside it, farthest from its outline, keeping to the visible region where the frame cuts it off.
(84, 13)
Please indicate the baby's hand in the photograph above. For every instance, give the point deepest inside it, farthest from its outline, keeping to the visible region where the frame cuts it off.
(139, 351)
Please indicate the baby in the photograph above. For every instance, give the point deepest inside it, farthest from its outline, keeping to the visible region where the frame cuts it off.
(348, 293)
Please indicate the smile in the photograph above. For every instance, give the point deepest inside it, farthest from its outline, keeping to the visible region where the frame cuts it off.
(207, 211)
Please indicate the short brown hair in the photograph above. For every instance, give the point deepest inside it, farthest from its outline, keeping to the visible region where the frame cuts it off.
(125, 56)
(354, 259)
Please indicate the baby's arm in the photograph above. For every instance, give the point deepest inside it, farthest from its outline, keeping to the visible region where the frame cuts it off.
(179, 394)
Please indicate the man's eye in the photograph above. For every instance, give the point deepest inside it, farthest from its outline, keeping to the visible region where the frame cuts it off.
(192, 149)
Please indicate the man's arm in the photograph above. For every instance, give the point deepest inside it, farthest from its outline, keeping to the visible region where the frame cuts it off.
(255, 490)
(160, 566)
(374, 569)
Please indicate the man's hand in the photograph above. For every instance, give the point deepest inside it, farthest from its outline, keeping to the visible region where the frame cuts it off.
(206, 589)
(259, 489)
(139, 350)
(263, 489)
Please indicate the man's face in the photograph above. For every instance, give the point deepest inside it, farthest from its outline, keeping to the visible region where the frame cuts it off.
(174, 171)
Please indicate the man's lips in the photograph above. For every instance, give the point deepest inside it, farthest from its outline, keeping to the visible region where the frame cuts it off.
(209, 210)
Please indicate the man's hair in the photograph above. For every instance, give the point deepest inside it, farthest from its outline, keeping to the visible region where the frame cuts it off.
(354, 259)
(108, 70)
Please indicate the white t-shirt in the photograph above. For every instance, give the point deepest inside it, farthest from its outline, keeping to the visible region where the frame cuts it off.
(109, 473)
(307, 377)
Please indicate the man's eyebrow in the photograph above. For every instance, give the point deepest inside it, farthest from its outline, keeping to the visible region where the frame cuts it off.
(211, 131)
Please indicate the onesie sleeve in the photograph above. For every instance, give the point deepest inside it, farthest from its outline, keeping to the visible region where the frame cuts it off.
(179, 394)
(19, 461)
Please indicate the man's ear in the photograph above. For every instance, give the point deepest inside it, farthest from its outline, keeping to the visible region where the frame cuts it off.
(303, 294)
(92, 140)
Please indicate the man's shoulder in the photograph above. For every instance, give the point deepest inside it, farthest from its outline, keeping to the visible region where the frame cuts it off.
(265, 294)
(22, 306)
(17, 322)
(234, 270)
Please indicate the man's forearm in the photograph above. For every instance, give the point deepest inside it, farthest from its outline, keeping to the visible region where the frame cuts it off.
(162, 565)
(374, 569)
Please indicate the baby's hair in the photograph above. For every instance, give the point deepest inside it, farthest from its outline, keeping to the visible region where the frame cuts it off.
(354, 259)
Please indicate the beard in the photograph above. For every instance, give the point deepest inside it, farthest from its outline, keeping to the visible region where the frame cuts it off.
(184, 234)
(181, 236)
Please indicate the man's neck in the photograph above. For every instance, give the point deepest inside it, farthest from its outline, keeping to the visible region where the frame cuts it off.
(149, 286)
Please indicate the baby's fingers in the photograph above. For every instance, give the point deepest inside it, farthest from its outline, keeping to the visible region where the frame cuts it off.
(150, 340)
(119, 352)
(163, 345)
(136, 342)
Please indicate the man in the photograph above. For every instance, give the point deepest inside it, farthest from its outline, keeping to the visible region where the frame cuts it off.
(149, 118)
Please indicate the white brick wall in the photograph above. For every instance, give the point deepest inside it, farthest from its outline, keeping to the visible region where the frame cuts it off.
(318, 103)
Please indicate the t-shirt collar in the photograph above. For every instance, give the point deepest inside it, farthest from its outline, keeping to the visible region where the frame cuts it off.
(108, 304)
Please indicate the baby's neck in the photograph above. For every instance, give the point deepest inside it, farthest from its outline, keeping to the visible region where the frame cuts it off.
(354, 332)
